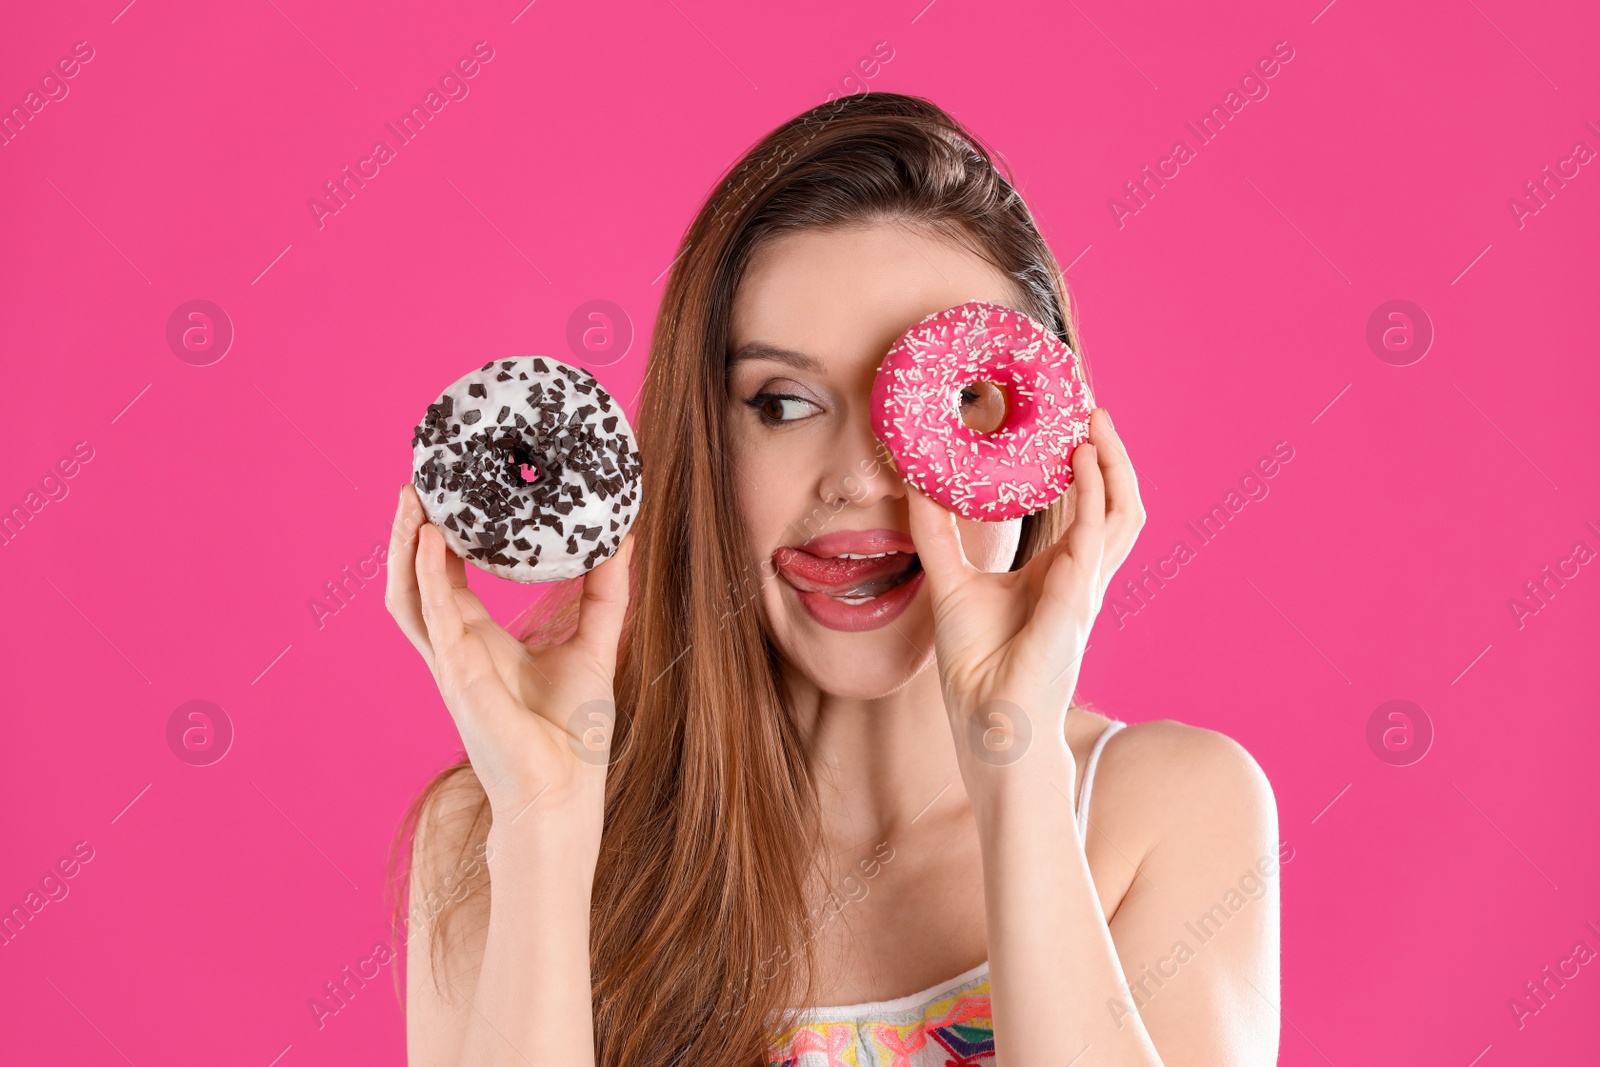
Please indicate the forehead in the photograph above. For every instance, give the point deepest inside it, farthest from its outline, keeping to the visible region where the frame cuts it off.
(846, 293)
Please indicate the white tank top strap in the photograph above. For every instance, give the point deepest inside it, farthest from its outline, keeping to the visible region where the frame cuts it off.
(1086, 787)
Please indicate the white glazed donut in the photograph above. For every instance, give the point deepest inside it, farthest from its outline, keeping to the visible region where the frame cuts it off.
(530, 413)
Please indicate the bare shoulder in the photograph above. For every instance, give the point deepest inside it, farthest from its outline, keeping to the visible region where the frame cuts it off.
(1189, 762)
(1184, 829)
(1161, 779)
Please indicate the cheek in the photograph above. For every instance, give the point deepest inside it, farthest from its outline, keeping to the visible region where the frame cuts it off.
(753, 453)
(768, 492)
(990, 546)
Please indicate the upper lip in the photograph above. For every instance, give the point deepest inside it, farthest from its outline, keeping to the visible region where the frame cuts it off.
(857, 543)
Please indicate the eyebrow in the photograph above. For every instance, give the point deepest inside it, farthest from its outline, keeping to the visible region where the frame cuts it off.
(777, 354)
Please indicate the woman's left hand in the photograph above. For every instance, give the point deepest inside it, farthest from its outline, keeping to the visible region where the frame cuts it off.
(1010, 643)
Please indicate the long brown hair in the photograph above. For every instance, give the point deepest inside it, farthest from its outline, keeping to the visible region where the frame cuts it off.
(711, 817)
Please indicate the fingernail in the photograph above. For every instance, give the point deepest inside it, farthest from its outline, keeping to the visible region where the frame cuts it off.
(1108, 418)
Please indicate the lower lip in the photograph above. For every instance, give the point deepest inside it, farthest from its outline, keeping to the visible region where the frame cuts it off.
(878, 612)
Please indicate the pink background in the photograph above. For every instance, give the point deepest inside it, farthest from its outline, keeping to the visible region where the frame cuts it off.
(1227, 315)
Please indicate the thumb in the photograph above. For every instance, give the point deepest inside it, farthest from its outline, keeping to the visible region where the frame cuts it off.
(933, 530)
(604, 606)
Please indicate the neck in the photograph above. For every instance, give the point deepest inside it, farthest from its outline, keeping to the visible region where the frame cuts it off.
(880, 763)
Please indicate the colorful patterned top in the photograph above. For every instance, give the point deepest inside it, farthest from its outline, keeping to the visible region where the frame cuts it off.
(947, 1026)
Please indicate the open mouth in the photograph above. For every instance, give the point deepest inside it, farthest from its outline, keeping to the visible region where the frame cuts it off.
(854, 578)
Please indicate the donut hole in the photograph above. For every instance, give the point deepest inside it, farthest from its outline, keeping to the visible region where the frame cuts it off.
(983, 406)
(526, 468)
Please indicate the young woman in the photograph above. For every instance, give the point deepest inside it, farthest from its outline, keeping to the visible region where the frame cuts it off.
(844, 816)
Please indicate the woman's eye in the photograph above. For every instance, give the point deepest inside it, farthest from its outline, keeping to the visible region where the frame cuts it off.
(778, 407)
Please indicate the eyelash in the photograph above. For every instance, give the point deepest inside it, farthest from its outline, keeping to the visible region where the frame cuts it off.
(760, 400)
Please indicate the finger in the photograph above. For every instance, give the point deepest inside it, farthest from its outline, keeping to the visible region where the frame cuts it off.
(938, 541)
(1069, 588)
(440, 612)
(1125, 513)
(1085, 538)
(604, 606)
(400, 593)
(455, 570)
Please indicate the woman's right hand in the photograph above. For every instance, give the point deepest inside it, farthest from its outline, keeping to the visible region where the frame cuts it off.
(536, 724)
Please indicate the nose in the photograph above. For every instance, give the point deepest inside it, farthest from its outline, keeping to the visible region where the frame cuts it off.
(860, 472)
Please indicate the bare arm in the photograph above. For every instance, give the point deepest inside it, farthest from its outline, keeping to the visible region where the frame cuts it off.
(513, 985)
(515, 988)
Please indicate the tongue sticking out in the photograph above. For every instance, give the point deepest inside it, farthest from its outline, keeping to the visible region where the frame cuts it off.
(839, 576)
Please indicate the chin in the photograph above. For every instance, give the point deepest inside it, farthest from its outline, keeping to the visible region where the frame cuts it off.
(860, 675)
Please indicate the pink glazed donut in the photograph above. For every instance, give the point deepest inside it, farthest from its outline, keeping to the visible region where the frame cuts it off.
(941, 366)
